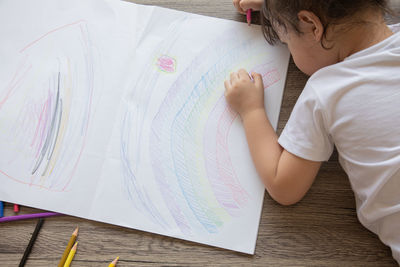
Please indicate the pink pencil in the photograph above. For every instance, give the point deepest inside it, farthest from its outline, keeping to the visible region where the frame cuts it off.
(248, 16)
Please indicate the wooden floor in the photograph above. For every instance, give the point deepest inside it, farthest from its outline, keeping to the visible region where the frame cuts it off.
(321, 230)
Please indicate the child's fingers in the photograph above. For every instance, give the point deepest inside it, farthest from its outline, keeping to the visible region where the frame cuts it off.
(257, 79)
(234, 76)
(236, 3)
(227, 85)
(244, 74)
(253, 4)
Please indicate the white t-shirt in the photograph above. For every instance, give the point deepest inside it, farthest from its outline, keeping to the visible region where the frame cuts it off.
(355, 105)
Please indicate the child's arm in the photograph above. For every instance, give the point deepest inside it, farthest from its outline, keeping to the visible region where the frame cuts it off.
(286, 177)
(243, 5)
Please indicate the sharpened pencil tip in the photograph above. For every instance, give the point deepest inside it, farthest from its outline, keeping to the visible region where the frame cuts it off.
(76, 231)
(115, 261)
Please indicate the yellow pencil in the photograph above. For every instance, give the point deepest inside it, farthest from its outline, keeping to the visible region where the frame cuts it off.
(70, 255)
(68, 248)
(114, 262)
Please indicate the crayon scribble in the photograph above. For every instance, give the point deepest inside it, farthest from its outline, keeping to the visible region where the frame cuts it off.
(188, 145)
(48, 133)
(166, 64)
(132, 129)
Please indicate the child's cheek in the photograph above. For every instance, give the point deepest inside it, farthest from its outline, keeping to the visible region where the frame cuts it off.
(302, 63)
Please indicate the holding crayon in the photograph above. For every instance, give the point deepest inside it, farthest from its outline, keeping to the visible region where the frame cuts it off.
(245, 7)
(248, 16)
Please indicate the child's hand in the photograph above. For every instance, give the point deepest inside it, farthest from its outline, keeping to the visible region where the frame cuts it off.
(243, 5)
(243, 94)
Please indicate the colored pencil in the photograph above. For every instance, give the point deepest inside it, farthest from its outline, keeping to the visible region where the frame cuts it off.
(31, 242)
(16, 208)
(71, 255)
(248, 16)
(1, 209)
(114, 262)
(68, 248)
(28, 216)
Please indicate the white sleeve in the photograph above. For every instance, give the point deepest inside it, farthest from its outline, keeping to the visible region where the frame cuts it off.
(305, 134)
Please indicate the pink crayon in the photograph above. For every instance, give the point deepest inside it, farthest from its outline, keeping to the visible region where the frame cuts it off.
(248, 16)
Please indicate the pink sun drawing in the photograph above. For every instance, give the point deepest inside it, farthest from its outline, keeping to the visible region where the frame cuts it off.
(166, 64)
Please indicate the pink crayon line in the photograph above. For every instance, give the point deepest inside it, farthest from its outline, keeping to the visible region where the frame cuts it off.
(50, 32)
(40, 125)
(223, 159)
(12, 85)
(29, 216)
(225, 122)
(30, 183)
(47, 104)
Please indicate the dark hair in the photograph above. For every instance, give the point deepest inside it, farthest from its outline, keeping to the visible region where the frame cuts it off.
(283, 13)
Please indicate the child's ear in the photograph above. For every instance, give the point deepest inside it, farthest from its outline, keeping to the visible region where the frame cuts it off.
(310, 23)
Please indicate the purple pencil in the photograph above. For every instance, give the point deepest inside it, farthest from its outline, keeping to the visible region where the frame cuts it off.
(29, 216)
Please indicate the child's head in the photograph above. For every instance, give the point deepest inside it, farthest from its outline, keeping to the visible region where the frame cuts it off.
(311, 28)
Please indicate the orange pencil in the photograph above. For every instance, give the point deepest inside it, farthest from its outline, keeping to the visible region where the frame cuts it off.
(68, 248)
(114, 262)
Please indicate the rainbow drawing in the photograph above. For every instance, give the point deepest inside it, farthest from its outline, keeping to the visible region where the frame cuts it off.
(188, 145)
(44, 138)
(133, 122)
(118, 110)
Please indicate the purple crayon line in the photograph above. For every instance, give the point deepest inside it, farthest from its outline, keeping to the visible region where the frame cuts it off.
(29, 216)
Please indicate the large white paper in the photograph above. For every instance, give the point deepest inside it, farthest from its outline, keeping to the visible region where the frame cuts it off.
(115, 112)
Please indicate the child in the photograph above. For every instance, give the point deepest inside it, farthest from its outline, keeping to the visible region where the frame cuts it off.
(351, 100)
